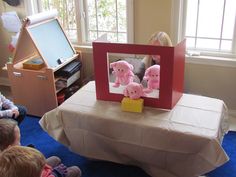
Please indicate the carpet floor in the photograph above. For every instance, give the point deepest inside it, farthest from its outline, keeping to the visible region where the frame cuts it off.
(32, 133)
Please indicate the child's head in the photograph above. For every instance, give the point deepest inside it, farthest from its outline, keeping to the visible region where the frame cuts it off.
(21, 161)
(9, 133)
(160, 38)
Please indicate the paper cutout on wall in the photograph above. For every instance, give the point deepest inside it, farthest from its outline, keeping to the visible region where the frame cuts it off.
(11, 21)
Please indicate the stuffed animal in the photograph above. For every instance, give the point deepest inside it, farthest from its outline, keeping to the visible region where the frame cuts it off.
(134, 91)
(123, 72)
(152, 76)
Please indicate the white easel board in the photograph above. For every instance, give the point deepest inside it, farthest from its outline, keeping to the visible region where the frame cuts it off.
(43, 36)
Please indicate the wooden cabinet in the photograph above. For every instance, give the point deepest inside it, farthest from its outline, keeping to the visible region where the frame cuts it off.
(34, 89)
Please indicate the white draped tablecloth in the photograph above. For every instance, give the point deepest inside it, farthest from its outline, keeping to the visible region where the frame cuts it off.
(182, 142)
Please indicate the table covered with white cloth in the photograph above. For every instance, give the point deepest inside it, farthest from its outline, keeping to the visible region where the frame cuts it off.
(182, 142)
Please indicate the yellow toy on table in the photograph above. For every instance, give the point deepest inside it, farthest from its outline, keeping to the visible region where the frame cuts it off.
(130, 105)
(132, 101)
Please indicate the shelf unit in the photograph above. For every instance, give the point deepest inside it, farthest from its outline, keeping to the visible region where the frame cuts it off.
(36, 89)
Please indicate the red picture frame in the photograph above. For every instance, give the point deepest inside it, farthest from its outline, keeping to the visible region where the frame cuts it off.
(172, 65)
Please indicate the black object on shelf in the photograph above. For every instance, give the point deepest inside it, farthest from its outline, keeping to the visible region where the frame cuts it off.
(69, 69)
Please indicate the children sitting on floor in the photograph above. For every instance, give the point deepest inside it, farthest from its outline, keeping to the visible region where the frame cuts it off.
(22, 161)
(10, 136)
(9, 110)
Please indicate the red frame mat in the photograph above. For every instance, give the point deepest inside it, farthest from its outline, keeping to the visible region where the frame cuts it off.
(171, 74)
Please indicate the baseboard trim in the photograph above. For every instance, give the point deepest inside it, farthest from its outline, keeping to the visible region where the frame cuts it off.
(4, 81)
(232, 114)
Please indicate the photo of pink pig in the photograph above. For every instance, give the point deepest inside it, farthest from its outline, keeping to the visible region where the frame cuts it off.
(123, 72)
(152, 76)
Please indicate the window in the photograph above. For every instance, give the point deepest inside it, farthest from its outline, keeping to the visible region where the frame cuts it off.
(66, 14)
(87, 20)
(209, 26)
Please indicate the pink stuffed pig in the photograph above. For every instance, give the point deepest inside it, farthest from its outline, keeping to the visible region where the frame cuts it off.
(134, 90)
(123, 72)
(152, 76)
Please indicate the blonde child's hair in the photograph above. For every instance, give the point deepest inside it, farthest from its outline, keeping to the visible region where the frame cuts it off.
(7, 132)
(21, 161)
(162, 39)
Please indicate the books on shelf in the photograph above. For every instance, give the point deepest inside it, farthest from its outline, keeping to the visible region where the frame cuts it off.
(64, 82)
